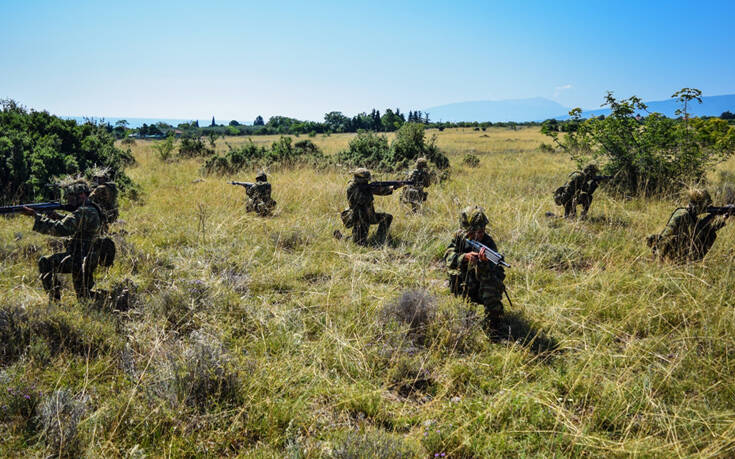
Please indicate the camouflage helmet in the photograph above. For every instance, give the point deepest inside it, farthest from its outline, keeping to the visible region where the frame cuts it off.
(421, 163)
(699, 199)
(76, 187)
(100, 174)
(473, 218)
(590, 169)
(361, 174)
(261, 177)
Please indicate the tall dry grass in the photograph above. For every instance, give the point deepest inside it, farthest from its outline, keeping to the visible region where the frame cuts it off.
(605, 352)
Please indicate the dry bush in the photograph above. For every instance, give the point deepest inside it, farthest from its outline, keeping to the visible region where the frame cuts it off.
(415, 308)
(59, 415)
(370, 445)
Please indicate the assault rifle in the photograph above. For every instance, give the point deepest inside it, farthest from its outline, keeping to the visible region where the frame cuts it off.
(38, 207)
(393, 183)
(491, 255)
(247, 185)
(721, 210)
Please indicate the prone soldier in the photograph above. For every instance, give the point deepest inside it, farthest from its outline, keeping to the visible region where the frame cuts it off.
(475, 274)
(414, 194)
(687, 237)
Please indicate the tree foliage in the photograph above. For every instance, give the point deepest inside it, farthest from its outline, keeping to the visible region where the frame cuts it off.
(651, 154)
(36, 148)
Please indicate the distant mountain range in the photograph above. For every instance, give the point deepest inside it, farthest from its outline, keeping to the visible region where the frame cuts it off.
(539, 109)
(495, 111)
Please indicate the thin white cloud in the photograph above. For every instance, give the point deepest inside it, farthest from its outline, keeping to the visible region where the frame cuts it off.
(558, 90)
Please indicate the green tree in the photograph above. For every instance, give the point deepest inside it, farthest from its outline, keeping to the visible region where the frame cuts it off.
(258, 121)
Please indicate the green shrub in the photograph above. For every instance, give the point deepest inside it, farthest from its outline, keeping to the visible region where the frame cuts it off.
(193, 147)
(36, 148)
(283, 151)
(647, 155)
(471, 160)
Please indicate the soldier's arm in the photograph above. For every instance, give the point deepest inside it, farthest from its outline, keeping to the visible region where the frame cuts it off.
(382, 190)
(718, 222)
(454, 255)
(65, 227)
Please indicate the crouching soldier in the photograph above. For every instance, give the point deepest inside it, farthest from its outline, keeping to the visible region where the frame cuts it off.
(82, 228)
(471, 274)
(686, 236)
(414, 194)
(361, 213)
(259, 196)
(578, 191)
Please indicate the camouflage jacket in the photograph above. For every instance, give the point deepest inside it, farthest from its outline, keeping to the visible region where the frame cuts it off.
(360, 199)
(420, 178)
(687, 237)
(105, 196)
(260, 191)
(579, 182)
(457, 266)
(82, 227)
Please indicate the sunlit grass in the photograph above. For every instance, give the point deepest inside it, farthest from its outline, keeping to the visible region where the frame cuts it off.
(632, 356)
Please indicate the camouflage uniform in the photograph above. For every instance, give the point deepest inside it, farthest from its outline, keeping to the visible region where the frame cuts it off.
(82, 228)
(259, 197)
(361, 211)
(578, 191)
(687, 237)
(480, 282)
(104, 194)
(414, 195)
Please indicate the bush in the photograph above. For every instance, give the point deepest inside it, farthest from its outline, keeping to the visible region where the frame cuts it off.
(648, 155)
(164, 148)
(193, 147)
(415, 308)
(36, 148)
(471, 160)
(283, 152)
(371, 150)
(60, 414)
(370, 444)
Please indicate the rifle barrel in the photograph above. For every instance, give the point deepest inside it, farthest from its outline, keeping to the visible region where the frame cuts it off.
(39, 206)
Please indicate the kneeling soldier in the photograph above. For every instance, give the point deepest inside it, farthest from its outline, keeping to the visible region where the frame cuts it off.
(687, 237)
(361, 213)
(471, 274)
(414, 194)
(259, 196)
(82, 228)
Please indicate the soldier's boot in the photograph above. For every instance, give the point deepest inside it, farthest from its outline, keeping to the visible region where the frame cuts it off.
(585, 209)
(359, 234)
(493, 316)
(570, 210)
(50, 282)
(383, 227)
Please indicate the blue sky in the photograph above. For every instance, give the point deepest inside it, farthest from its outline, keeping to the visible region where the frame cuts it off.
(239, 59)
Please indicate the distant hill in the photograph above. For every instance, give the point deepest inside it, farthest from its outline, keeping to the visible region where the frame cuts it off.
(536, 108)
(710, 106)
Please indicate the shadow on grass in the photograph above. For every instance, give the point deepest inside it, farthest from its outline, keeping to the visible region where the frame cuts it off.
(513, 327)
(609, 221)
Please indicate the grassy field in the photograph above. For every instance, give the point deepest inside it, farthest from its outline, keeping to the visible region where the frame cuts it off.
(270, 338)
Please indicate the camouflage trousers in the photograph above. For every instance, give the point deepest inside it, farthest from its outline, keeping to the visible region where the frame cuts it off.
(82, 273)
(262, 208)
(583, 199)
(486, 290)
(361, 227)
(413, 197)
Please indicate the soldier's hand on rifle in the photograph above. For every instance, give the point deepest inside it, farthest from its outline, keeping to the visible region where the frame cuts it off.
(395, 187)
(471, 257)
(28, 211)
(482, 255)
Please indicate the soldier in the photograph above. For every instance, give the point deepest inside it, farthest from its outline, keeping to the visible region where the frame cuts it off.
(104, 194)
(361, 213)
(82, 228)
(471, 275)
(687, 237)
(414, 195)
(259, 196)
(578, 191)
